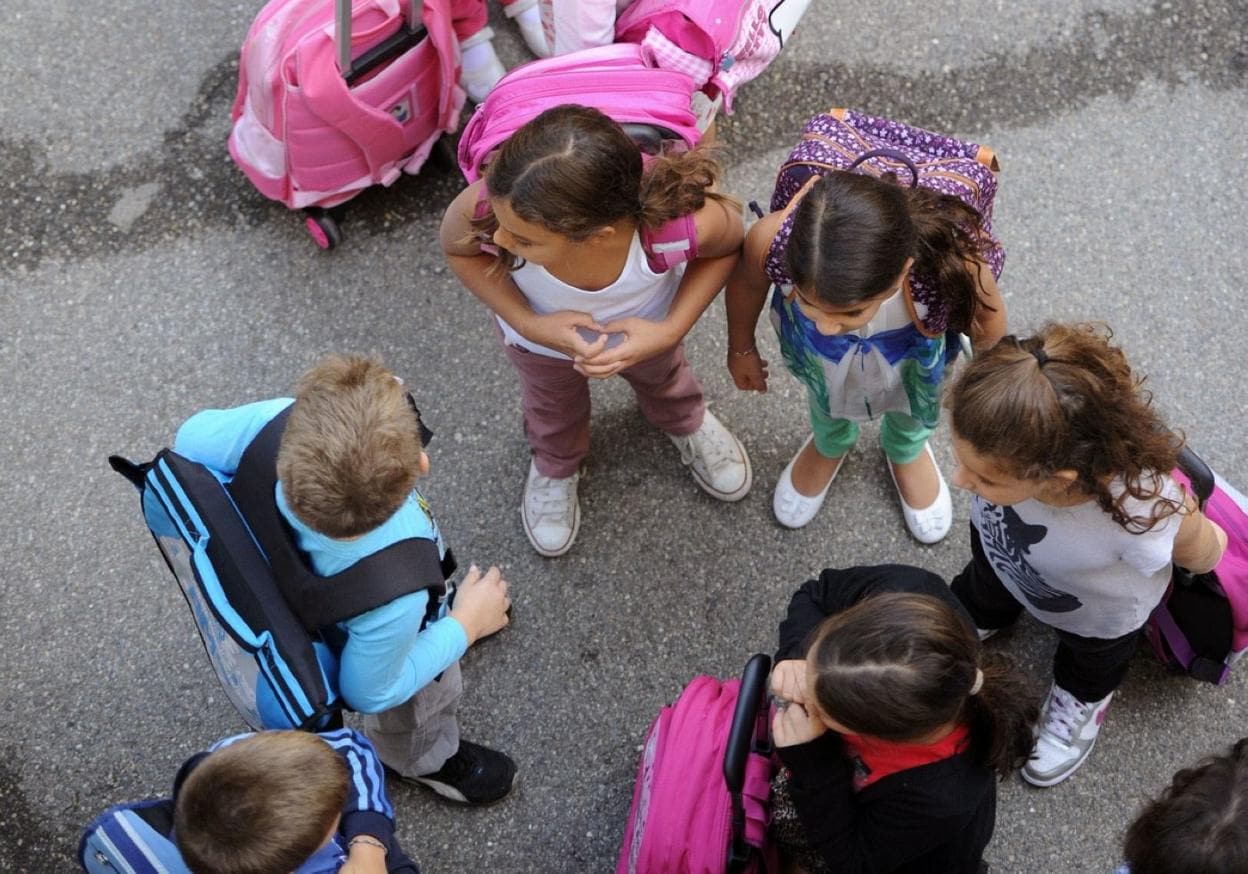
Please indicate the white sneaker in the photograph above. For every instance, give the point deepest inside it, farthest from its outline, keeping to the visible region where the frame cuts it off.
(551, 512)
(931, 524)
(792, 508)
(529, 17)
(1067, 733)
(480, 68)
(716, 459)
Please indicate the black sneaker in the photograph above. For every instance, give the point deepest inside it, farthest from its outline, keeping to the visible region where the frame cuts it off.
(474, 775)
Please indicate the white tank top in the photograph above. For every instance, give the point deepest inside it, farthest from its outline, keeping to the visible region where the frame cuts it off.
(638, 291)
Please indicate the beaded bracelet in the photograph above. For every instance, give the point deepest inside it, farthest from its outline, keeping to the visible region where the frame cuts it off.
(753, 348)
(368, 841)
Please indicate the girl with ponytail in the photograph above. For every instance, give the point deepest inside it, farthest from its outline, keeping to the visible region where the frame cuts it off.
(554, 242)
(1075, 517)
(893, 726)
(877, 257)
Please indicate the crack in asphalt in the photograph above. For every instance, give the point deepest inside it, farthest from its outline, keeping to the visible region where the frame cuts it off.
(189, 185)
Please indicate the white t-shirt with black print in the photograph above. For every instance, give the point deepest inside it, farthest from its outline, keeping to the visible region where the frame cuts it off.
(1075, 568)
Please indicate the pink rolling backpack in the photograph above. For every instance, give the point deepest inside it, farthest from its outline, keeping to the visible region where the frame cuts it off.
(335, 96)
(651, 104)
(721, 44)
(704, 782)
(1201, 628)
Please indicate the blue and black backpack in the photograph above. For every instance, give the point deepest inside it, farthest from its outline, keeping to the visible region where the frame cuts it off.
(268, 622)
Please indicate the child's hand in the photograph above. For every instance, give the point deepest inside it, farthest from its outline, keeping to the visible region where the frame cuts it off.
(793, 726)
(643, 339)
(749, 372)
(561, 331)
(788, 681)
(481, 603)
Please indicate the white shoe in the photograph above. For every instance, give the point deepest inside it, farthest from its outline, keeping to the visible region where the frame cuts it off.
(716, 459)
(480, 68)
(931, 524)
(1067, 733)
(529, 17)
(551, 512)
(792, 508)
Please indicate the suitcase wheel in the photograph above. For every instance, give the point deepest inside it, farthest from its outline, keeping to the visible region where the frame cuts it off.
(321, 225)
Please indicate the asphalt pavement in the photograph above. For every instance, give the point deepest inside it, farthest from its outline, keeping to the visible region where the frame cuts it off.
(142, 278)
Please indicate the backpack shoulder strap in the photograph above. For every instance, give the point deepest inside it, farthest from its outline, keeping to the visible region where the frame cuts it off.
(670, 244)
(404, 567)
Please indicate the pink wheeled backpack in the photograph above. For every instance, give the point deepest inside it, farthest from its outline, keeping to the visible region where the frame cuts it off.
(335, 96)
(704, 782)
(1201, 628)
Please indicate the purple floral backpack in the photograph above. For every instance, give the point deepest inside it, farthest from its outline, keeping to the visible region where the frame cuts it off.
(843, 139)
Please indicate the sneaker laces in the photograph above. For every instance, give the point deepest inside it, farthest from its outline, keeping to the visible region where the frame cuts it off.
(1065, 712)
(551, 496)
(708, 444)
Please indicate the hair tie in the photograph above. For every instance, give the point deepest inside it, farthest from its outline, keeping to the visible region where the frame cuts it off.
(1042, 357)
(979, 682)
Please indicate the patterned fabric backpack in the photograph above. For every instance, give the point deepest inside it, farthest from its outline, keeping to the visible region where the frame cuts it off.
(841, 138)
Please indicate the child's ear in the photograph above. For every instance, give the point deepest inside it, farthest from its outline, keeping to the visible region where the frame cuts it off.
(1066, 477)
(424, 463)
(601, 235)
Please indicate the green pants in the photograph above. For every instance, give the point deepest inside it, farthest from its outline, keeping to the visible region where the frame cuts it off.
(901, 436)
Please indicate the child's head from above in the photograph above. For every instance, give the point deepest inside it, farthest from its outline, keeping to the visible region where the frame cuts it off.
(351, 450)
(572, 175)
(1199, 825)
(1059, 417)
(906, 667)
(263, 804)
(855, 238)
(894, 666)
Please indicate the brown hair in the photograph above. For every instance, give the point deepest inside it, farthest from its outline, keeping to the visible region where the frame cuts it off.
(574, 170)
(350, 454)
(1199, 825)
(261, 805)
(1065, 399)
(852, 233)
(898, 666)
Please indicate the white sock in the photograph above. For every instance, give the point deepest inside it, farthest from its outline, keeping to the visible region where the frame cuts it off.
(531, 16)
(478, 56)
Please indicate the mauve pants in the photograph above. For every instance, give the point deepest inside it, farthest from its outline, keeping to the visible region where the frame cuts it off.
(555, 403)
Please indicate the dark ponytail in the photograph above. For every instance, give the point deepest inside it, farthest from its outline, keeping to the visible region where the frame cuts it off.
(1001, 715)
(852, 234)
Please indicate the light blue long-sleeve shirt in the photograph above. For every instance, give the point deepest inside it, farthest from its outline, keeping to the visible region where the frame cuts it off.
(387, 657)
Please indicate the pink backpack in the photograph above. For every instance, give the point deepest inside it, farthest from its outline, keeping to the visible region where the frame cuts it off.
(308, 134)
(1201, 627)
(720, 43)
(651, 104)
(704, 782)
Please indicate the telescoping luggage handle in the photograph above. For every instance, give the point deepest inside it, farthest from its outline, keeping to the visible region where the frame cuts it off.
(742, 737)
(387, 49)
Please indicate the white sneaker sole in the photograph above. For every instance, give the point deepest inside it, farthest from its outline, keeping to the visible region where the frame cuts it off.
(1046, 782)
